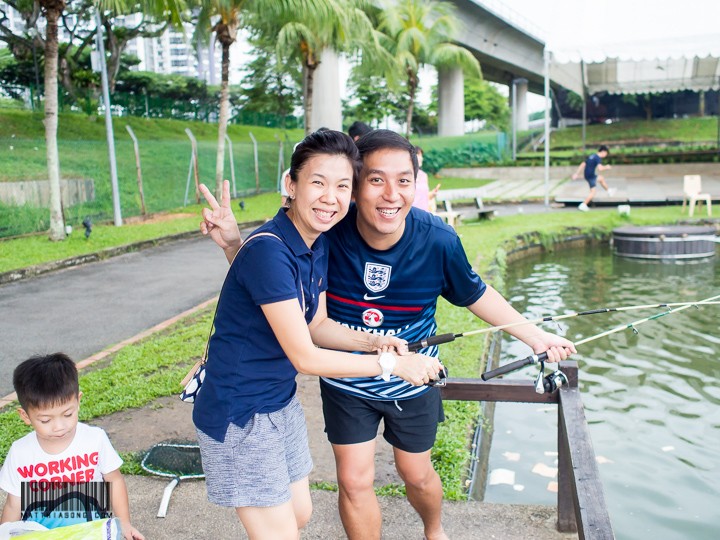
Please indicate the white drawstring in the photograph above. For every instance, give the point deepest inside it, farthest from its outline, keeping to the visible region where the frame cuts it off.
(398, 406)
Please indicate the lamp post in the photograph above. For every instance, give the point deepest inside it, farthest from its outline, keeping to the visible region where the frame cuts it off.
(33, 36)
(117, 214)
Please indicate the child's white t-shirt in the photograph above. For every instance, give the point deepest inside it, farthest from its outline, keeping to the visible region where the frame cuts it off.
(89, 456)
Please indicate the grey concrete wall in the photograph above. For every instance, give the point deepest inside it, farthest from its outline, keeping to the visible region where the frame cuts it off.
(37, 193)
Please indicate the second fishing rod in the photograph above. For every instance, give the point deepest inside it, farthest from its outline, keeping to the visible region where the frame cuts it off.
(447, 338)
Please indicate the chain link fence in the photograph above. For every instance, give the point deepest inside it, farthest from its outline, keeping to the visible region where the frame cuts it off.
(167, 175)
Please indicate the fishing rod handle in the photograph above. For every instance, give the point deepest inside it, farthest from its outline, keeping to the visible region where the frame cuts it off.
(512, 366)
(430, 341)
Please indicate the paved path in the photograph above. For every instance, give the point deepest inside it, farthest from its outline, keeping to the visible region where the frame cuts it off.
(83, 310)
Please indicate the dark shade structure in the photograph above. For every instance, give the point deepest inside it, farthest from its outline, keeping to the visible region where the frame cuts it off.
(671, 242)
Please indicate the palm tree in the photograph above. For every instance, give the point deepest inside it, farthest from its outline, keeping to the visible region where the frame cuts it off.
(226, 13)
(418, 32)
(306, 30)
(53, 10)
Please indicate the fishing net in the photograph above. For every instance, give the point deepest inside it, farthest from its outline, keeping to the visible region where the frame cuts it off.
(173, 459)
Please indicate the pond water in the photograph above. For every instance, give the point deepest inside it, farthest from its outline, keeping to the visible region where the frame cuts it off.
(652, 400)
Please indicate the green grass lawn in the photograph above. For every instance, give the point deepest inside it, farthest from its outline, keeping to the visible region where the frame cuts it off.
(152, 368)
(687, 130)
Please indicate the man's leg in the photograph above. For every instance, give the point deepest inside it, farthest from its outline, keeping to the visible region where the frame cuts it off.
(358, 505)
(424, 489)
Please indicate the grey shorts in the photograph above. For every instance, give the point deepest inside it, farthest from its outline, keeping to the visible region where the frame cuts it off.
(256, 464)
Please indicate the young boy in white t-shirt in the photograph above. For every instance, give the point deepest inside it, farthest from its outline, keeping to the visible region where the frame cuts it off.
(61, 455)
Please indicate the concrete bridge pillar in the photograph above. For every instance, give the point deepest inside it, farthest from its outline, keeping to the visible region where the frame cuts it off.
(521, 107)
(451, 102)
(327, 110)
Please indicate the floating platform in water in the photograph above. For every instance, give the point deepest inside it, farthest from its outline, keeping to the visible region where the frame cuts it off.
(669, 242)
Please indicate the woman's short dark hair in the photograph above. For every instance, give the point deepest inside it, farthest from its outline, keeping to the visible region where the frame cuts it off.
(325, 142)
(46, 381)
(384, 139)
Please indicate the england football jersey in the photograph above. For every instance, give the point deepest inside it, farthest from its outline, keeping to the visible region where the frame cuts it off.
(394, 292)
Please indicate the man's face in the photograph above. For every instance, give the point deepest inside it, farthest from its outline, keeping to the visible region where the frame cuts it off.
(384, 196)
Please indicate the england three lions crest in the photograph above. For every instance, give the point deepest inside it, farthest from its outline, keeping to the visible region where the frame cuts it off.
(377, 276)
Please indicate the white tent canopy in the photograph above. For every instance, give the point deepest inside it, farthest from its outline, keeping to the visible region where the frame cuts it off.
(690, 63)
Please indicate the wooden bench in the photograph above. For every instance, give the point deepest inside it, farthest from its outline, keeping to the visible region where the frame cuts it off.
(445, 209)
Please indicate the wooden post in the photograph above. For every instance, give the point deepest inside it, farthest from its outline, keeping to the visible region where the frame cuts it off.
(194, 163)
(232, 165)
(143, 210)
(566, 505)
(257, 169)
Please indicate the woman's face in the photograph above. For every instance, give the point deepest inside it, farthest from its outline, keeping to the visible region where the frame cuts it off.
(321, 195)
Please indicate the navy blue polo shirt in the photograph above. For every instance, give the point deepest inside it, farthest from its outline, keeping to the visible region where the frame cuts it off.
(247, 371)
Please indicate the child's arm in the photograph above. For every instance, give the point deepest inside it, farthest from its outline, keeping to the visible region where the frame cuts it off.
(579, 171)
(121, 505)
(602, 167)
(11, 511)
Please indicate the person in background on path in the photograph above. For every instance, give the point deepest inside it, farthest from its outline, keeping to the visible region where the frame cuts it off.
(424, 198)
(270, 320)
(590, 167)
(377, 253)
(60, 449)
(357, 129)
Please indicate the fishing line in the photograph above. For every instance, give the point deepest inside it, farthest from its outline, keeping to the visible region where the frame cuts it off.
(542, 357)
(447, 338)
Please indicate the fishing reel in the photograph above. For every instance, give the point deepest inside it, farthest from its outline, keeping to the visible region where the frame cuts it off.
(549, 383)
(441, 378)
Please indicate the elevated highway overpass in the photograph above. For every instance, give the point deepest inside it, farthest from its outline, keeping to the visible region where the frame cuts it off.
(508, 47)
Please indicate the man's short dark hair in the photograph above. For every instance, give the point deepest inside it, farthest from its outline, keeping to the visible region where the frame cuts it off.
(357, 129)
(46, 381)
(384, 139)
(603, 148)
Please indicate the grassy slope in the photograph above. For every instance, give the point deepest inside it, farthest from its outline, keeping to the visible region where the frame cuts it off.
(687, 130)
(76, 126)
(139, 373)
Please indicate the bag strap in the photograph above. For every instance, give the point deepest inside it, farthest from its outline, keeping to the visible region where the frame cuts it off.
(212, 326)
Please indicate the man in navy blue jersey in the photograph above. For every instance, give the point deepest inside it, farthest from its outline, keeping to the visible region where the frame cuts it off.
(388, 264)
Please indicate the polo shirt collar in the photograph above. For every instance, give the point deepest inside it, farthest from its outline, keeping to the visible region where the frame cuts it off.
(290, 234)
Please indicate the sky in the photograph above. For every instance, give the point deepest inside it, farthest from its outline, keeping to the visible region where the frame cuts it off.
(572, 23)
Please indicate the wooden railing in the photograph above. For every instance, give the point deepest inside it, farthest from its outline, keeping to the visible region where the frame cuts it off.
(581, 502)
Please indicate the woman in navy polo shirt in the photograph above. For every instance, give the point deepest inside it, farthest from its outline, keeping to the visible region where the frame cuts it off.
(270, 317)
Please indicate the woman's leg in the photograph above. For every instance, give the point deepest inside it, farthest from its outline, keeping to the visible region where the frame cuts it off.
(301, 502)
(269, 523)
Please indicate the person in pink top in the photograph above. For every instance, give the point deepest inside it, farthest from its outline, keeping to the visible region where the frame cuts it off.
(423, 195)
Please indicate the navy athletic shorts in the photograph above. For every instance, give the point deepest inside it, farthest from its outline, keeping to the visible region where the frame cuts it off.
(592, 181)
(410, 424)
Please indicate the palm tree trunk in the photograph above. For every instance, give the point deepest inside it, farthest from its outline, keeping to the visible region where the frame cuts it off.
(308, 81)
(57, 221)
(412, 87)
(223, 119)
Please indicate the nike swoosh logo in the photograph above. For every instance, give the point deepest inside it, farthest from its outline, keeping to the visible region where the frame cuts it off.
(366, 297)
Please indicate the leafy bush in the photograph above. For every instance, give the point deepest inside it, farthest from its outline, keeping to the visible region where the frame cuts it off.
(469, 155)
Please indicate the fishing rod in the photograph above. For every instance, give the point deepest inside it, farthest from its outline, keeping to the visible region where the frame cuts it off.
(447, 338)
(549, 384)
